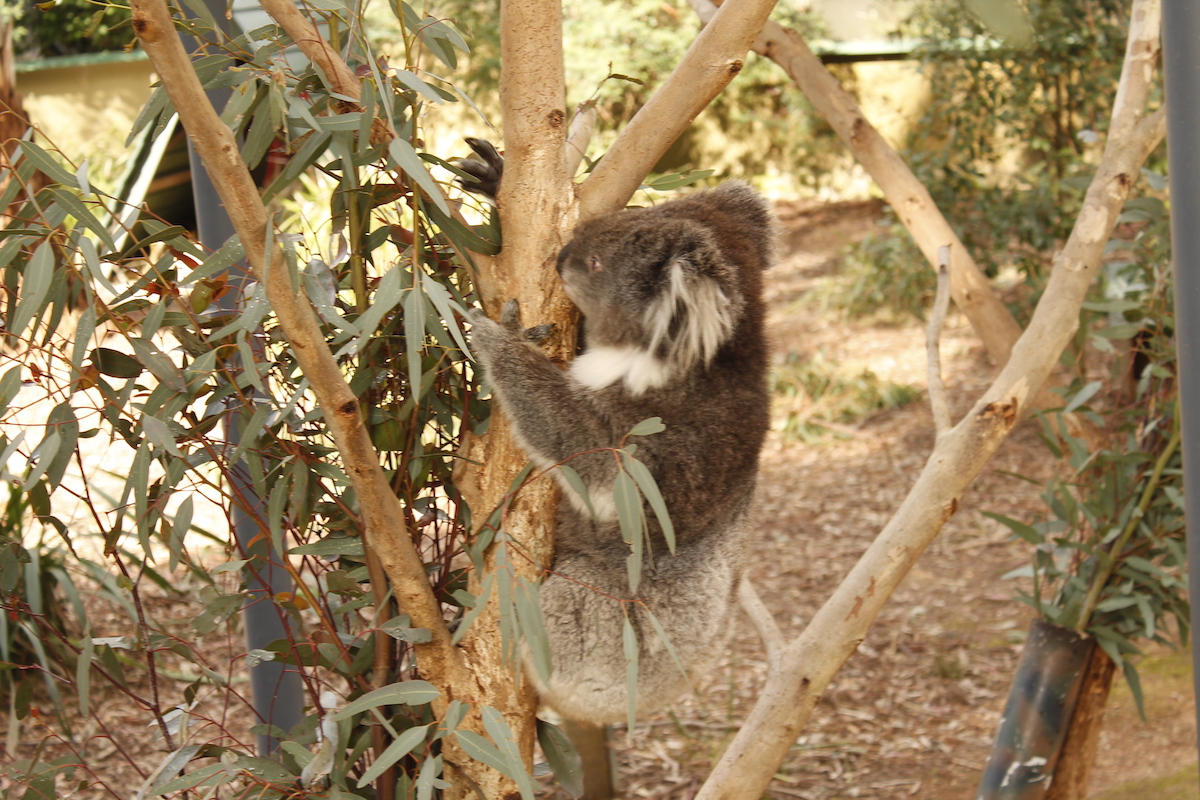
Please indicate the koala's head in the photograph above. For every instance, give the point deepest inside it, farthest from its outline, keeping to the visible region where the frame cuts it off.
(652, 282)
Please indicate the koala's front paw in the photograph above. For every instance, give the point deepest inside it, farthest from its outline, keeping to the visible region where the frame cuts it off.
(510, 316)
(486, 335)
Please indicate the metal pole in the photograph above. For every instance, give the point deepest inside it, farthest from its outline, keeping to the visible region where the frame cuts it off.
(276, 690)
(1181, 67)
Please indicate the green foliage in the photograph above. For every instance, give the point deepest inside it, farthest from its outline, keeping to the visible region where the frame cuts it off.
(1109, 555)
(125, 343)
(816, 396)
(618, 52)
(1009, 137)
(165, 358)
(884, 274)
(67, 27)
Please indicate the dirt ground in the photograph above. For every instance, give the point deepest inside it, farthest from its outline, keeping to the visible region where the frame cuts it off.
(914, 711)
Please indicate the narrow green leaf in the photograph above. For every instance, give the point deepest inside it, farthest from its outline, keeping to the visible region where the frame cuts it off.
(263, 128)
(46, 164)
(502, 735)
(480, 749)
(35, 284)
(10, 384)
(446, 307)
(160, 434)
(417, 85)
(629, 507)
(83, 337)
(1082, 396)
(648, 427)
(578, 486)
(649, 488)
(83, 675)
(414, 336)
(42, 456)
(404, 744)
(1135, 687)
(409, 693)
(387, 295)
(630, 643)
(76, 208)
(666, 640)
(529, 613)
(331, 546)
(115, 364)
(1022, 530)
(562, 756)
(179, 529)
(406, 159)
(62, 420)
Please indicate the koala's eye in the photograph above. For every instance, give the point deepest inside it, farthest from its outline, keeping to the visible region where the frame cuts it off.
(594, 265)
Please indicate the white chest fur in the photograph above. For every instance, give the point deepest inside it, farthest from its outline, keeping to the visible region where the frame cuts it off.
(638, 368)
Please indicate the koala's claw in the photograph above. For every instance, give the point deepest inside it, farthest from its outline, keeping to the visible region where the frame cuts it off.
(539, 332)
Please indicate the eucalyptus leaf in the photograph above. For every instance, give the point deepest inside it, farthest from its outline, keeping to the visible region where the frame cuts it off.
(562, 756)
(411, 693)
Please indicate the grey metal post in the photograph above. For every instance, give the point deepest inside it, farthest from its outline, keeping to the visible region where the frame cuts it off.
(1181, 65)
(276, 690)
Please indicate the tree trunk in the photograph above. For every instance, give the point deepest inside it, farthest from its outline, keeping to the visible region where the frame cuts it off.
(600, 780)
(1071, 776)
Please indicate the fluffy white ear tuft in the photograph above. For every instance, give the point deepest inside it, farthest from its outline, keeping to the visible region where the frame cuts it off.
(690, 320)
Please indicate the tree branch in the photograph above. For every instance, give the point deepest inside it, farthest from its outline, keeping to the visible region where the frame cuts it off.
(973, 294)
(582, 126)
(440, 662)
(839, 626)
(763, 622)
(712, 61)
(933, 357)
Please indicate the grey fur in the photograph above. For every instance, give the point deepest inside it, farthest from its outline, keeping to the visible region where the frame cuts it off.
(671, 298)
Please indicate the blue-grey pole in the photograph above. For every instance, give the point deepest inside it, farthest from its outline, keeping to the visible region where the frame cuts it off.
(276, 690)
(1181, 66)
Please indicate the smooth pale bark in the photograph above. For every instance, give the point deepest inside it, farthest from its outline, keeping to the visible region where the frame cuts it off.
(379, 506)
(970, 288)
(807, 664)
(536, 207)
(717, 55)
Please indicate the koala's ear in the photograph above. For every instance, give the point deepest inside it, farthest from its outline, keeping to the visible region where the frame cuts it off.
(697, 303)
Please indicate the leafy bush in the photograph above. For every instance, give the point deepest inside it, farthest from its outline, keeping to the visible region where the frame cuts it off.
(816, 397)
(1109, 555)
(883, 274)
(67, 27)
(1043, 97)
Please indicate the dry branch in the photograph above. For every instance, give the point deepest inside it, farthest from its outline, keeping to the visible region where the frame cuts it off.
(379, 506)
(933, 357)
(839, 626)
(973, 295)
(712, 61)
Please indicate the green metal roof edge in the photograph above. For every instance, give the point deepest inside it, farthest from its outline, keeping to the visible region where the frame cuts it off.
(82, 60)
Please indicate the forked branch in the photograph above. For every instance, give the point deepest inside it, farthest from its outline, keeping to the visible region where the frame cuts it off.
(378, 504)
(812, 659)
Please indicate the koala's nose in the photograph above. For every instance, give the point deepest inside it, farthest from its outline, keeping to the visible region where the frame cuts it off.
(563, 255)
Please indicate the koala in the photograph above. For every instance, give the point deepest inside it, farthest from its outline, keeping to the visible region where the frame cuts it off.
(671, 299)
(485, 171)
